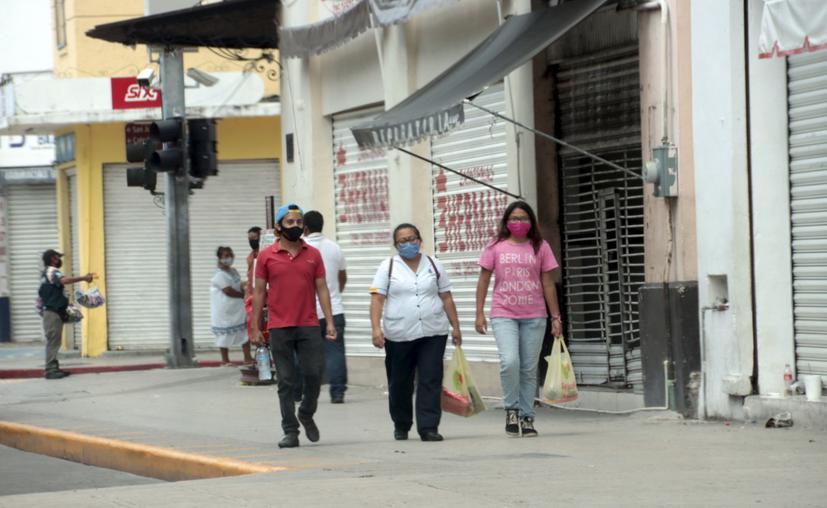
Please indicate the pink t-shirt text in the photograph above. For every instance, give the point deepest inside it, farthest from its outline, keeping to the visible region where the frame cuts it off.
(518, 289)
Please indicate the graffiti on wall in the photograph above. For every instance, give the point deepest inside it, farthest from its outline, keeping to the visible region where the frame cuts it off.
(467, 220)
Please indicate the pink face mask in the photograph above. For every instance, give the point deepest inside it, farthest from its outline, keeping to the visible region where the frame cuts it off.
(519, 228)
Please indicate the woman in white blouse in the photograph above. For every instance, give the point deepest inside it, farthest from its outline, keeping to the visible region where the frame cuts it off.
(415, 293)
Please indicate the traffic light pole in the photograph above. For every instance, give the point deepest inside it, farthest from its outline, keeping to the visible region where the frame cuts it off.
(177, 215)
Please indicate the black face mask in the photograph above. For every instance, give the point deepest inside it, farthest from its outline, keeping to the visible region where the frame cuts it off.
(254, 244)
(293, 233)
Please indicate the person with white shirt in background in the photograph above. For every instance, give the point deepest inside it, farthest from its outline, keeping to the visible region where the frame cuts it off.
(411, 293)
(336, 278)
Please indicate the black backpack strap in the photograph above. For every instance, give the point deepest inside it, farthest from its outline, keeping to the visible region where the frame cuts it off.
(390, 272)
(433, 265)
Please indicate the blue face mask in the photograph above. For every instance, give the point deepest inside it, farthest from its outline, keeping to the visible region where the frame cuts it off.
(409, 250)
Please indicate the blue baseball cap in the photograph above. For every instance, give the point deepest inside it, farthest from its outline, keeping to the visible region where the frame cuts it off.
(285, 209)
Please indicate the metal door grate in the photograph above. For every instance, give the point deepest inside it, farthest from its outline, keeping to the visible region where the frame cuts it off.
(603, 239)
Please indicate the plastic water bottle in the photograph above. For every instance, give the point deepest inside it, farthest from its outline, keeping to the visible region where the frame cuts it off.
(788, 380)
(263, 364)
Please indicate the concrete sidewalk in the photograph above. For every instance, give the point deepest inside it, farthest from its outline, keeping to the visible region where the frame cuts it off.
(26, 360)
(582, 459)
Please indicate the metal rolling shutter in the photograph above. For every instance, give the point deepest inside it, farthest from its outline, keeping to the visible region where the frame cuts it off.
(75, 329)
(363, 228)
(32, 229)
(807, 85)
(137, 282)
(466, 213)
(598, 97)
(220, 214)
(136, 264)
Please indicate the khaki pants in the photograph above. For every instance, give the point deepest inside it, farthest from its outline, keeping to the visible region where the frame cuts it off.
(53, 331)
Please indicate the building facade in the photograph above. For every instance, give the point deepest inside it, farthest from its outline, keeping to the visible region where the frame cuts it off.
(115, 231)
(614, 85)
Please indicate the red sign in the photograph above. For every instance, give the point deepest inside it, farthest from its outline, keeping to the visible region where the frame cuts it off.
(127, 94)
(135, 133)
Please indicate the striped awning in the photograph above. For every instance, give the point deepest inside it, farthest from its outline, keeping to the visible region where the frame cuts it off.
(437, 107)
(790, 27)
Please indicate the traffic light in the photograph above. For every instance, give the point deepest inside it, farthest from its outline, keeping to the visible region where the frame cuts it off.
(169, 132)
(141, 177)
(202, 148)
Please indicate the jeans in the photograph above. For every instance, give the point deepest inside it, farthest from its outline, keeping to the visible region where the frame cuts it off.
(519, 342)
(334, 357)
(420, 359)
(53, 331)
(305, 342)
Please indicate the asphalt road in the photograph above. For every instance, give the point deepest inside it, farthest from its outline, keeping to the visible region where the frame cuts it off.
(29, 473)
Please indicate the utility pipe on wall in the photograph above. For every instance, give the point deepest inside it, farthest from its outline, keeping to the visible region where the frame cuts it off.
(664, 22)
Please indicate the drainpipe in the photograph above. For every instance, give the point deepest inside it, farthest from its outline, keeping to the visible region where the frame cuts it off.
(664, 23)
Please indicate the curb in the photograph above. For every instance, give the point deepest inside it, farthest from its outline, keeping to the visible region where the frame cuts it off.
(139, 459)
(35, 373)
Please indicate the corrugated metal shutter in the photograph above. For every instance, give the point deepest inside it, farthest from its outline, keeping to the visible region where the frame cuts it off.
(363, 228)
(137, 286)
(807, 85)
(220, 214)
(137, 282)
(466, 213)
(76, 329)
(598, 97)
(32, 229)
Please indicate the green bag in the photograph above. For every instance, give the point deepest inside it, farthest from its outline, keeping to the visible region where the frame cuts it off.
(459, 392)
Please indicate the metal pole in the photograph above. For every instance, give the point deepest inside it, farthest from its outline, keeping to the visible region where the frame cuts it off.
(556, 140)
(177, 215)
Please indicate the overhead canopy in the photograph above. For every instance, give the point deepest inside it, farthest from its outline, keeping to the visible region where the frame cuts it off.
(234, 24)
(316, 38)
(790, 27)
(437, 107)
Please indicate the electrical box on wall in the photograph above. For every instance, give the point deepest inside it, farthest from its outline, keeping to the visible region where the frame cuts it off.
(662, 171)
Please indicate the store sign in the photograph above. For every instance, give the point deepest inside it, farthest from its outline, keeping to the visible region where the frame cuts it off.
(135, 133)
(18, 151)
(127, 94)
(33, 175)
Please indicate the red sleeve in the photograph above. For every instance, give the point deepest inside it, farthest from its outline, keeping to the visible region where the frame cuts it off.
(261, 265)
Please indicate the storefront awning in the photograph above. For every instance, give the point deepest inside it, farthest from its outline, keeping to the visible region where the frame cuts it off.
(790, 27)
(437, 107)
(316, 38)
(235, 24)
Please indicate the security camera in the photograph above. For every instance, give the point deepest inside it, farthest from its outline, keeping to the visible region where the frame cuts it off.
(201, 77)
(145, 77)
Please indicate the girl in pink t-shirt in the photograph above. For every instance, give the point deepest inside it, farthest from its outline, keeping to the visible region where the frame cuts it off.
(522, 263)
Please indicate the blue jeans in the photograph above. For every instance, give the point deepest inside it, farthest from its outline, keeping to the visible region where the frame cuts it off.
(519, 342)
(334, 357)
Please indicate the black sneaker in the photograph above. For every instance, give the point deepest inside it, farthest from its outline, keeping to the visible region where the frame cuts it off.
(56, 374)
(310, 428)
(527, 427)
(512, 423)
(289, 441)
(400, 435)
(337, 399)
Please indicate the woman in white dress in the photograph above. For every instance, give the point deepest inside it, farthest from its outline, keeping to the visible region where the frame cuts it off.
(229, 319)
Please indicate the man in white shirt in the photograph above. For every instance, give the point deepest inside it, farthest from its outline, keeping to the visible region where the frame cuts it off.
(336, 277)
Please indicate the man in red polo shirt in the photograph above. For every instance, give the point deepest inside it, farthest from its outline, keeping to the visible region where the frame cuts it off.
(289, 274)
